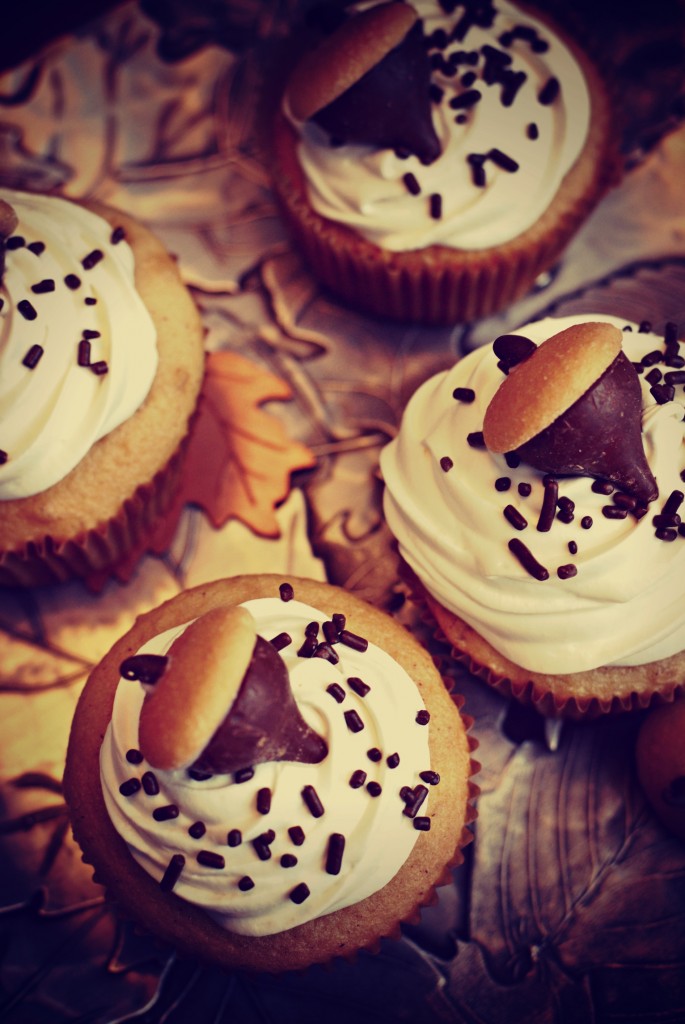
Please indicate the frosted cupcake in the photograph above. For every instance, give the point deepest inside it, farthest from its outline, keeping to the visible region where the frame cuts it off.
(535, 493)
(269, 774)
(434, 159)
(101, 366)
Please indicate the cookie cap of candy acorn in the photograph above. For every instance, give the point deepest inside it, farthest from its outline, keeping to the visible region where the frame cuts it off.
(221, 700)
(368, 82)
(574, 407)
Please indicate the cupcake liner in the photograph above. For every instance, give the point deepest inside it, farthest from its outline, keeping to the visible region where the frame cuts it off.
(52, 560)
(646, 690)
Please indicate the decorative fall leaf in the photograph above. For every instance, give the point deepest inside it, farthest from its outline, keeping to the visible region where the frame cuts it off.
(240, 457)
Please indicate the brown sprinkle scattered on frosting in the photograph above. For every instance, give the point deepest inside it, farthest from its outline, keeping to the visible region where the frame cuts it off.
(300, 893)
(336, 691)
(296, 834)
(313, 801)
(353, 721)
(357, 779)
(525, 557)
(172, 873)
(209, 859)
(245, 884)
(353, 640)
(33, 356)
(166, 813)
(150, 784)
(129, 787)
(286, 592)
(334, 853)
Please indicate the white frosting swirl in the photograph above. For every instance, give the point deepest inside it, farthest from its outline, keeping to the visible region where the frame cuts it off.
(53, 414)
(363, 187)
(625, 605)
(378, 836)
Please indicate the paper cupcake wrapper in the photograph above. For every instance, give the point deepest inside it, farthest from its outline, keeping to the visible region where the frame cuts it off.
(94, 551)
(533, 691)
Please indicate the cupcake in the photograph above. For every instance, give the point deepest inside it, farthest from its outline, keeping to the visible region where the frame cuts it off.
(534, 490)
(101, 366)
(269, 774)
(434, 159)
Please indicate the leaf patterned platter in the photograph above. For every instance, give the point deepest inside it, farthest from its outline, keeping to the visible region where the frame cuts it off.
(570, 906)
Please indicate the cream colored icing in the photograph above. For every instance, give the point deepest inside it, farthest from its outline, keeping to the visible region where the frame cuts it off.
(362, 187)
(378, 836)
(625, 605)
(51, 415)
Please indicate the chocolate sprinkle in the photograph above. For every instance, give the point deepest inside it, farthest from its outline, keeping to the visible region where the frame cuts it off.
(334, 853)
(418, 796)
(435, 206)
(464, 394)
(100, 368)
(43, 287)
(411, 184)
(357, 779)
(513, 516)
(586, 522)
(150, 784)
(446, 463)
(296, 834)
(353, 640)
(33, 356)
(209, 859)
(324, 650)
(392, 760)
(374, 754)
(262, 845)
(245, 884)
(172, 873)
(475, 439)
(26, 309)
(431, 777)
(423, 824)
(527, 560)
(300, 893)
(72, 282)
(374, 789)
(423, 717)
(234, 837)
(3, 457)
(502, 483)
(146, 668)
(92, 259)
(197, 830)
(288, 860)
(549, 504)
(549, 92)
(134, 756)
(336, 691)
(614, 512)
(313, 802)
(353, 721)
(264, 800)
(566, 572)
(166, 813)
(358, 685)
(286, 592)
(129, 787)
(243, 774)
(83, 357)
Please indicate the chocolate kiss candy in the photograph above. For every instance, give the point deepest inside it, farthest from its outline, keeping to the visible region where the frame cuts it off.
(369, 82)
(224, 701)
(574, 407)
(390, 106)
(263, 723)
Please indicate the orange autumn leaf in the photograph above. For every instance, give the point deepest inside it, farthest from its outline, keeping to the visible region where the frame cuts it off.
(240, 456)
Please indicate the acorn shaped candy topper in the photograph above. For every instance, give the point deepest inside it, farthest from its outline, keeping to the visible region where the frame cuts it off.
(8, 223)
(574, 407)
(368, 82)
(220, 700)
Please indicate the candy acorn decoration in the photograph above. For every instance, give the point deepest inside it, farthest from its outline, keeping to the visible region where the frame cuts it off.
(220, 700)
(574, 407)
(368, 82)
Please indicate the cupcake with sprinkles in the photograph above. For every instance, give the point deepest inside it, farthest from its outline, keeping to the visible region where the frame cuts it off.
(536, 494)
(434, 158)
(268, 774)
(101, 365)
